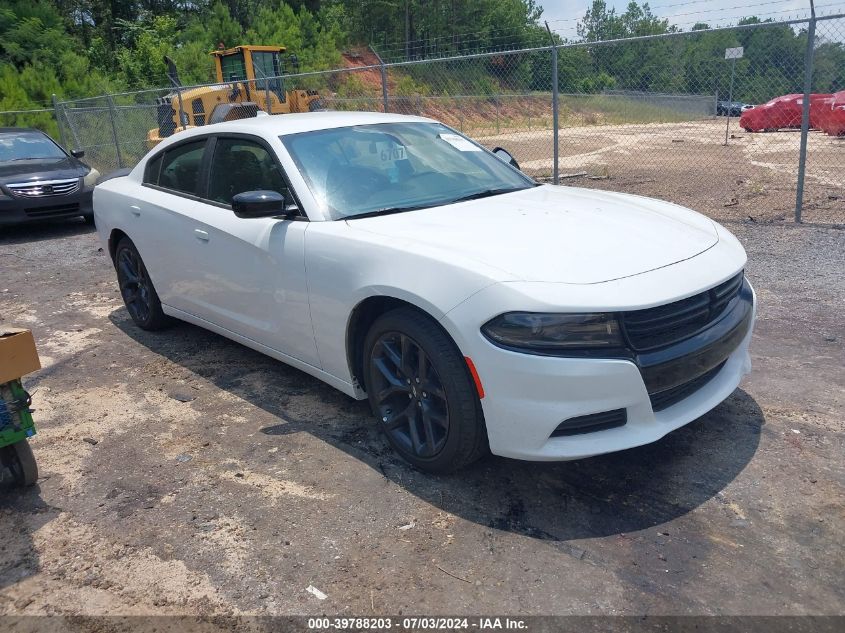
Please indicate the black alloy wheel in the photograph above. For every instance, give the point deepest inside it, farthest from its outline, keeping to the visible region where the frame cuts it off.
(137, 288)
(422, 393)
(409, 395)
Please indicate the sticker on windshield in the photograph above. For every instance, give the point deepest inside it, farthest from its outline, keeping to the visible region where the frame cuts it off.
(459, 143)
(396, 152)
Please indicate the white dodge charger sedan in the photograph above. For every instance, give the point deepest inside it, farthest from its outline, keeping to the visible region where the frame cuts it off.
(399, 261)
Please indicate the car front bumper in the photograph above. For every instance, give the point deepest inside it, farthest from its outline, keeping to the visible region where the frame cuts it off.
(15, 210)
(528, 396)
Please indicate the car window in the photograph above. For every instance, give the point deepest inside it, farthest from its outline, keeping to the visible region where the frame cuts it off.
(364, 169)
(180, 168)
(152, 171)
(22, 146)
(240, 165)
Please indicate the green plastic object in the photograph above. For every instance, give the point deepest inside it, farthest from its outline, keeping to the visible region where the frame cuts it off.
(16, 422)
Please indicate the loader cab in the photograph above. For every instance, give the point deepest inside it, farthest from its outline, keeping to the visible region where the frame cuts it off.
(260, 67)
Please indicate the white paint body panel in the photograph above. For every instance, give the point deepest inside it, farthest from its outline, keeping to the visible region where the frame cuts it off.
(288, 288)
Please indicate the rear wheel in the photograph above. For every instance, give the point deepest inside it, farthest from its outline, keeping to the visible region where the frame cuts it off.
(137, 288)
(421, 392)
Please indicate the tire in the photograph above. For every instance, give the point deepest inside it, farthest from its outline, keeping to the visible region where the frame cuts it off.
(19, 462)
(421, 392)
(136, 287)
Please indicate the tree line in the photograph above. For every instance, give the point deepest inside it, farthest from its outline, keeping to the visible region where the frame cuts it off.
(77, 48)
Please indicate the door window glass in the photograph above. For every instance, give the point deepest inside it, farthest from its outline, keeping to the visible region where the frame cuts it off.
(239, 166)
(180, 169)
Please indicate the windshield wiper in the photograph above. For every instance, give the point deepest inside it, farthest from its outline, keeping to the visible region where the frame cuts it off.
(486, 193)
(473, 196)
(387, 211)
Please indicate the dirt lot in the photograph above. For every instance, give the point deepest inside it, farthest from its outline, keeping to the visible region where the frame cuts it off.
(754, 175)
(182, 473)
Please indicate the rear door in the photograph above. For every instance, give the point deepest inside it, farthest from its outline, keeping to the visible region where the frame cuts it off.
(158, 219)
(248, 275)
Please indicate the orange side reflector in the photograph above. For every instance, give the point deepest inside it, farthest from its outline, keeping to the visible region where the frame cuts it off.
(474, 372)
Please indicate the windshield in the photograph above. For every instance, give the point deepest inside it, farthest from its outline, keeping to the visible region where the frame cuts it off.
(27, 146)
(391, 167)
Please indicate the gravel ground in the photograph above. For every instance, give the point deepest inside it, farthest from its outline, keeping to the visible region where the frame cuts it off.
(183, 473)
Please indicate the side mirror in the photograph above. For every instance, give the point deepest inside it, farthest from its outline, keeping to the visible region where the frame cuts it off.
(259, 204)
(505, 156)
(77, 153)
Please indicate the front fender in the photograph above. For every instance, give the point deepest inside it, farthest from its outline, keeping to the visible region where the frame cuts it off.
(346, 267)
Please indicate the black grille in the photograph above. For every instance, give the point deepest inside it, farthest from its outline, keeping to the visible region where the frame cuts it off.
(673, 322)
(54, 210)
(665, 399)
(592, 423)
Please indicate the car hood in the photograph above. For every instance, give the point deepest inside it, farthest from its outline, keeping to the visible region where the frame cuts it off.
(52, 169)
(555, 234)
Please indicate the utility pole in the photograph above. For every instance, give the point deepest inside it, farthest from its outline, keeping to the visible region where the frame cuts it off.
(407, 30)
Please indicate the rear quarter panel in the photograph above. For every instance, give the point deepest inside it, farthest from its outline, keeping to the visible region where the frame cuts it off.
(109, 200)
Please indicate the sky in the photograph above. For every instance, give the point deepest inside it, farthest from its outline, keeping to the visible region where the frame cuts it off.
(563, 15)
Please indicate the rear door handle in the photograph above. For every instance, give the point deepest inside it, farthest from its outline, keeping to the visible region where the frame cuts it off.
(135, 209)
(201, 235)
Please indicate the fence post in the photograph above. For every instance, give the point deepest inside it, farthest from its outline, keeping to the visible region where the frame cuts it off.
(57, 114)
(556, 151)
(805, 111)
(182, 118)
(383, 70)
(76, 143)
(498, 129)
(730, 100)
(114, 132)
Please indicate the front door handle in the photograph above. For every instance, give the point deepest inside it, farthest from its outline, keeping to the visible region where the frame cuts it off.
(201, 235)
(135, 209)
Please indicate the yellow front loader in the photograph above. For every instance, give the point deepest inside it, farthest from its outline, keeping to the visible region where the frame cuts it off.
(248, 80)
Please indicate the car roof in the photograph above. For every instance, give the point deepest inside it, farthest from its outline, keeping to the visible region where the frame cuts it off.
(282, 124)
(7, 130)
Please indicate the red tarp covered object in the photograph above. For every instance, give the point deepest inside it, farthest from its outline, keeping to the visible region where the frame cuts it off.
(831, 119)
(783, 112)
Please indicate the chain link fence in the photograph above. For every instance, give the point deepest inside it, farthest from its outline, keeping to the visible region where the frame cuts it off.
(663, 116)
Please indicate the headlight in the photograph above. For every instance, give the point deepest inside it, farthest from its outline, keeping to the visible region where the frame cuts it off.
(552, 332)
(91, 178)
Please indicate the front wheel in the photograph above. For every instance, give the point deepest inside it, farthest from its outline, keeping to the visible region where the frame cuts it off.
(421, 391)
